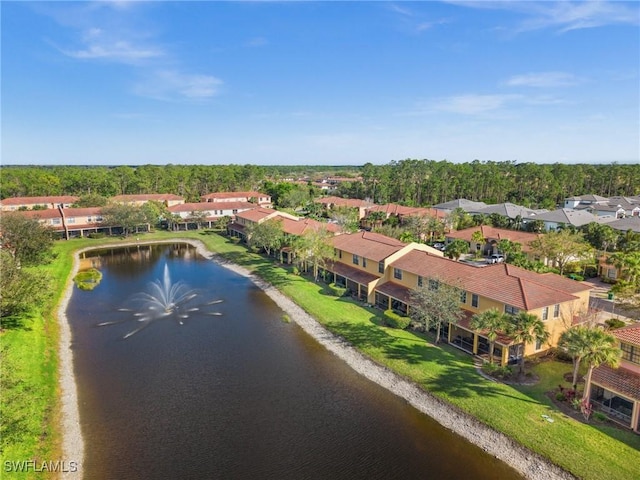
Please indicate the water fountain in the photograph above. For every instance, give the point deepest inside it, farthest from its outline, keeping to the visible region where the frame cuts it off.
(164, 299)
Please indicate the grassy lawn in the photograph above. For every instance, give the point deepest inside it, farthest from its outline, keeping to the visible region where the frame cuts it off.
(588, 451)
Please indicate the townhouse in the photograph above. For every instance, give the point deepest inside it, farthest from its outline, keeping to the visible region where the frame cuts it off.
(205, 213)
(330, 203)
(492, 237)
(383, 271)
(168, 199)
(39, 203)
(71, 222)
(258, 198)
(616, 391)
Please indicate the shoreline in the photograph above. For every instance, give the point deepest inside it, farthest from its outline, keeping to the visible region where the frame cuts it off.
(529, 464)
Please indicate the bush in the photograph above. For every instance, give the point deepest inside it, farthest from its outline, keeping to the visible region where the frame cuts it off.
(599, 416)
(562, 356)
(393, 320)
(295, 271)
(561, 397)
(96, 235)
(614, 323)
(497, 371)
(336, 290)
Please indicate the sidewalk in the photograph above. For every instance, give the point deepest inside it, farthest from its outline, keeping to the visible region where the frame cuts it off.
(599, 300)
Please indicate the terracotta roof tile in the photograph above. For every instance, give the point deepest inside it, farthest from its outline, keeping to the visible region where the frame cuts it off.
(620, 380)
(343, 202)
(505, 283)
(209, 206)
(39, 200)
(352, 273)
(158, 197)
(223, 195)
(629, 334)
(369, 245)
(492, 233)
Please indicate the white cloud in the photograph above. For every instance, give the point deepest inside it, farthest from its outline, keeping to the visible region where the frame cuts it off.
(257, 42)
(117, 51)
(173, 85)
(564, 15)
(543, 79)
(473, 104)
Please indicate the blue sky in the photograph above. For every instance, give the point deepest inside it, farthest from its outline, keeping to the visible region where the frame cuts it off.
(327, 83)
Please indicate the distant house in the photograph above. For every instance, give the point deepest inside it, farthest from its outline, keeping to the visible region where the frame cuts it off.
(466, 205)
(41, 203)
(616, 206)
(330, 203)
(626, 224)
(567, 217)
(492, 237)
(616, 392)
(72, 222)
(168, 199)
(205, 213)
(508, 210)
(261, 199)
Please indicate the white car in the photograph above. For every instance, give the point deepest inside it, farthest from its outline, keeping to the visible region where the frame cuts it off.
(495, 258)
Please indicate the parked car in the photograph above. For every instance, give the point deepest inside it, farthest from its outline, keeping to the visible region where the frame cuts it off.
(439, 246)
(495, 258)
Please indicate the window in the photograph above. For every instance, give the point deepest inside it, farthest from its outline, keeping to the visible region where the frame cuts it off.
(364, 262)
(56, 221)
(545, 313)
(380, 267)
(356, 259)
(475, 300)
(538, 343)
(397, 273)
(630, 352)
(556, 310)
(433, 284)
(420, 279)
(463, 296)
(71, 220)
(511, 310)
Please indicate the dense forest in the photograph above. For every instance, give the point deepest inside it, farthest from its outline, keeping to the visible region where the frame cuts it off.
(410, 182)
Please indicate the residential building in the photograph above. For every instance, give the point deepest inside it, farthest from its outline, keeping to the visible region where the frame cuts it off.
(513, 212)
(383, 271)
(71, 222)
(261, 199)
(616, 392)
(205, 212)
(337, 202)
(564, 217)
(492, 237)
(39, 203)
(168, 199)
(466, 205)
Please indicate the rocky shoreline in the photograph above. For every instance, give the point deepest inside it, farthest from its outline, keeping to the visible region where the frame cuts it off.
(529, 464)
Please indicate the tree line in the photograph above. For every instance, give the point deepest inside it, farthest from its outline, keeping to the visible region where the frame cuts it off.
(409, 182)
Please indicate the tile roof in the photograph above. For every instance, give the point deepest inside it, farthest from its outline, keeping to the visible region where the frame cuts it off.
(502, 282)
(401, 210)
(368, 245)
(43, 214)
(620, 380)
(343, 202)
(465, 323)
(352, 273)
(158, 197)
(492, 233)
(39, 200)
(627, 223)
(81, 212)
(234, 195)
(209, 206)
(302, 225)
(462, 203)
(577, 218)
(395, 290)
(256, 214)
(510, 210)
(628, 334)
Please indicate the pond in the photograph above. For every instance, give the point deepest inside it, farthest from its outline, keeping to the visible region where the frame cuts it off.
(221, 386)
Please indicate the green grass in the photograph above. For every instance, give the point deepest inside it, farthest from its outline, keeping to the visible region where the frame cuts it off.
(593, 451)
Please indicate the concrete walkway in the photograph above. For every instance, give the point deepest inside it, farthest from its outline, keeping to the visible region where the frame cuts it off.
(599, 300)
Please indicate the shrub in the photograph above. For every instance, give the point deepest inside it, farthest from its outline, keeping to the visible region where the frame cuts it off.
(96, 235)
(295, 271)
(561, 397)
(497, 371)
(614, 323)
(336, 290)
(599, 416)
(394, 320)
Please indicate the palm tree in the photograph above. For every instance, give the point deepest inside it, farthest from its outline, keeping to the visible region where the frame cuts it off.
(492, 322)
(526, 328)
(575, 342)
(602, 349)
